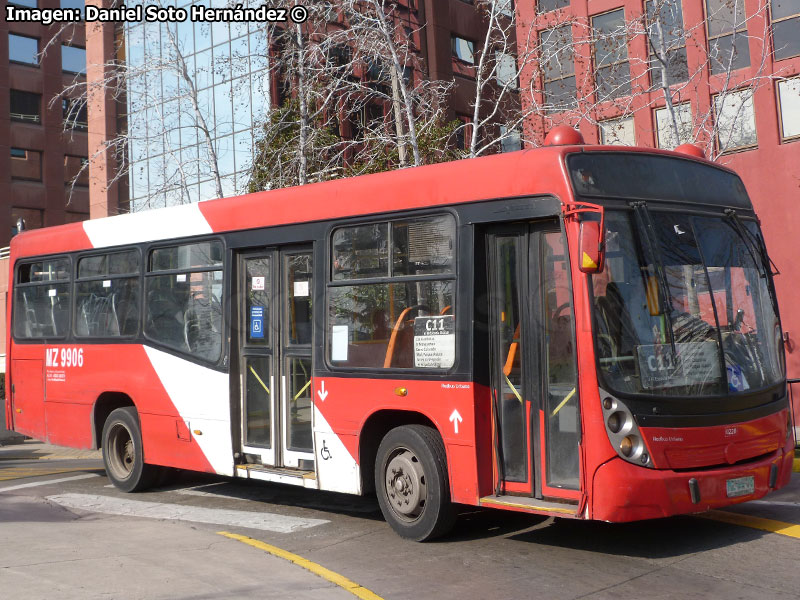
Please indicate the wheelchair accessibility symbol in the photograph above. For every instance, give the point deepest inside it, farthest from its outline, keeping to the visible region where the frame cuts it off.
(256, 321)
(324, 452)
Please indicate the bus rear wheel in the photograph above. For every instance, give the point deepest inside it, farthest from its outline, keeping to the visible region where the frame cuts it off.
(122, 452)
(412, 484)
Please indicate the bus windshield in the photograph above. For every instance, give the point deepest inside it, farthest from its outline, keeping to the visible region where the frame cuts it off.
(684, 306)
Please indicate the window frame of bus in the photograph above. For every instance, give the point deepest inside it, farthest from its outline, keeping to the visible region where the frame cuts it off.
(388, 279)
(69, 281)
(77, 279)
(147, 272)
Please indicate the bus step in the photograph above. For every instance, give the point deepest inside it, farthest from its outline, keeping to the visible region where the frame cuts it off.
(278, 474)
(533, 505)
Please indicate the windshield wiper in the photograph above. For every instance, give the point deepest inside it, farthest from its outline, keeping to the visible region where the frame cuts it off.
(650, 241)
(755, 246)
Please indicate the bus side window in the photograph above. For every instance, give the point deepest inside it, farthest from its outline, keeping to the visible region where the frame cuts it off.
(183, 308)
(42, 299)
(390, 324)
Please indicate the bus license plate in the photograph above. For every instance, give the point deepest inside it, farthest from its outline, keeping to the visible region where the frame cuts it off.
(741, 486)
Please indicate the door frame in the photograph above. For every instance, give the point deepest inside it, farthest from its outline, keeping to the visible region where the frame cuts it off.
(530, 277)
(277, 350)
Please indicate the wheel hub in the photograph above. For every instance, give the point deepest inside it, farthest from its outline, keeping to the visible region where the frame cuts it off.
(405, 485)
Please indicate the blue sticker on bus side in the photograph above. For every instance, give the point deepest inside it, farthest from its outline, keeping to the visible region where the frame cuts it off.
(256, 321)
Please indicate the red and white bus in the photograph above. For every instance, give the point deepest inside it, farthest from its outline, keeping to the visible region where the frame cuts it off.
(579, 331)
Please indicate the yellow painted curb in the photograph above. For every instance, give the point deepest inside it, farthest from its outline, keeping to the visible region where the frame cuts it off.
(779, 527)
(319, 570)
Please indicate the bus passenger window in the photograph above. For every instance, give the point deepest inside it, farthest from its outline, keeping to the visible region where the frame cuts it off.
(402, 321)
(42, 299)
(183, 298)
(107, 295)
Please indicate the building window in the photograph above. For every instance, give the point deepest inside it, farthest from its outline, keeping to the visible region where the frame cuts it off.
(22, 49)
(510, 139)
(727, 35)
(666, 42)
(464, 50)
(617, 132)
(463, 134)
(558, 69)
(26, 106)
(506, 72)
(74, 113)
(665, 126)
(789, 102)
(26, 164)
(786, 28)
(73, 59)
(543, 6)
(612, 71)
(506, 7)
(736, 121)
(76, 170)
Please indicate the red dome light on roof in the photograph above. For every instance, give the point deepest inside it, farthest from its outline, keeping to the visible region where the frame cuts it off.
(563, 135)
(691, 150)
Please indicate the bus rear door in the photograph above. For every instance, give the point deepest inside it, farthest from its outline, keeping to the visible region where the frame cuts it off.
(275, 316)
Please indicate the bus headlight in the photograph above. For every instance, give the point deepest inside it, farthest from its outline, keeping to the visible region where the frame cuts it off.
(623, 432)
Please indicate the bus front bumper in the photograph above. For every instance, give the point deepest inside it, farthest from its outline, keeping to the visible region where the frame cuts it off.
(626, 492)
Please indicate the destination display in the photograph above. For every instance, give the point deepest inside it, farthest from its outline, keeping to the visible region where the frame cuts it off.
(435, 341)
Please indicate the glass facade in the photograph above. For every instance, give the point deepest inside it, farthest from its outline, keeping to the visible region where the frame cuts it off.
(226, 92)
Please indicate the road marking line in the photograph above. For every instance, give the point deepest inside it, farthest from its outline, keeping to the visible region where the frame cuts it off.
(779, 527)
(774, 503)
(48, 482)
(340, 580)
(25, 472)
(197, 514)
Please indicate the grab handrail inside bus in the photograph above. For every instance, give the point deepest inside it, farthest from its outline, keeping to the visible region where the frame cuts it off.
(387, 362)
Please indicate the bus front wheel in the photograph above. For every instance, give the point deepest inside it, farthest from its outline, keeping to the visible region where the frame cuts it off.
(122, 452)
(412, 484)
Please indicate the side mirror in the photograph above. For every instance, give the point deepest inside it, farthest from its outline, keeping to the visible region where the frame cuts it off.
(591, 247)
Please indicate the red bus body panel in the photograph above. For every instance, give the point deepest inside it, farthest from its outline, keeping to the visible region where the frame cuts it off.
(623, 492)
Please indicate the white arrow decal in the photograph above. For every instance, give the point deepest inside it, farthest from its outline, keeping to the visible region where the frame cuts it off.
(455, 419)
(321, 392)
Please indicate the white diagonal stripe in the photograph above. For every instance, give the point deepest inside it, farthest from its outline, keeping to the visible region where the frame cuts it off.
(147, 226)
(196, 514)
(22, 486)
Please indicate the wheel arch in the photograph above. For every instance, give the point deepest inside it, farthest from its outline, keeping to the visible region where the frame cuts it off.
(377, 425)
(106, 403)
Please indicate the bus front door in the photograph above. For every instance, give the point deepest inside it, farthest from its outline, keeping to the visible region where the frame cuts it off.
(275, 325)
(535, 402)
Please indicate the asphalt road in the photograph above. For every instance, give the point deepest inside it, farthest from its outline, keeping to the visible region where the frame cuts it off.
(66, 533)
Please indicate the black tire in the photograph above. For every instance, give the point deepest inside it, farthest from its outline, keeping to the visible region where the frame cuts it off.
(411, 483)
(123, 456)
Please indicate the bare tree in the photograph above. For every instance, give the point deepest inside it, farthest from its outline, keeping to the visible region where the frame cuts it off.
(354, 100)
(497, 116)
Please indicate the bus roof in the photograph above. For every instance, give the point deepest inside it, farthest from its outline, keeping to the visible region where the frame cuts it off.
(487, 178)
